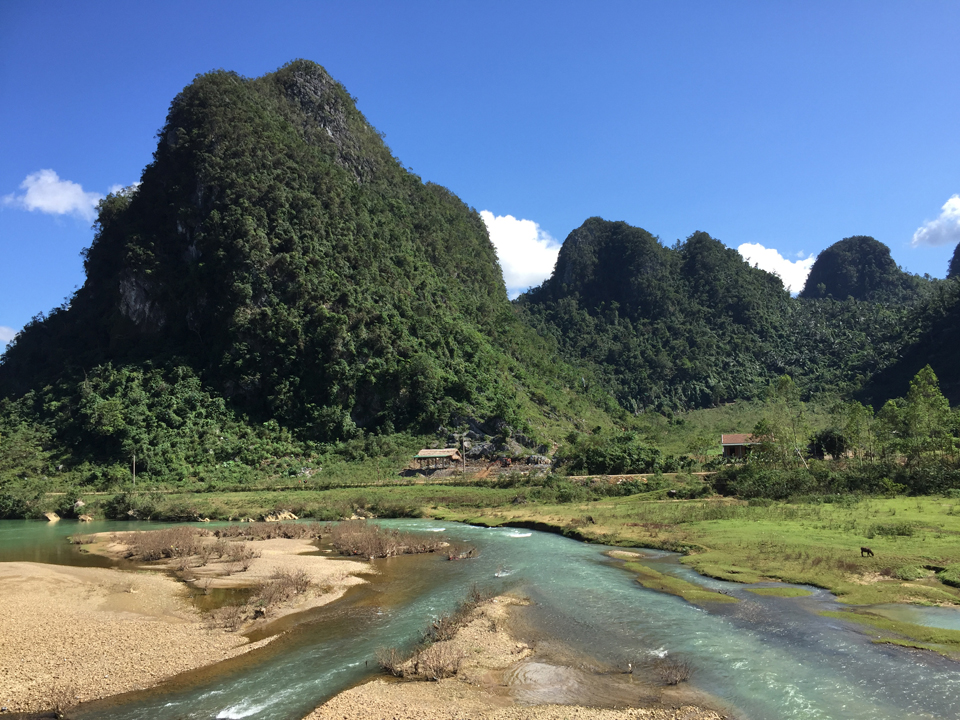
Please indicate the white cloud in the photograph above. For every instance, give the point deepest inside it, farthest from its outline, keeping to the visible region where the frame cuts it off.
(792, 273)
(6, 334)
(526, 252)
(945, 230)
(46, 192)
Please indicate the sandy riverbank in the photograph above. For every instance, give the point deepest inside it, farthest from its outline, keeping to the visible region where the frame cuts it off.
(501, 678)
(92, 632)
(87, 633)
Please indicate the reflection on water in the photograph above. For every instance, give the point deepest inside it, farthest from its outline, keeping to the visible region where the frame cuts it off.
(764, 658)
(947, 618)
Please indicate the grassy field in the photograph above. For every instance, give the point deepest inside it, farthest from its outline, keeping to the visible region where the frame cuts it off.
(813, 544)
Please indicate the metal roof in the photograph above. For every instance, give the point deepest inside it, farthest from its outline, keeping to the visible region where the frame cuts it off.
(437, 453)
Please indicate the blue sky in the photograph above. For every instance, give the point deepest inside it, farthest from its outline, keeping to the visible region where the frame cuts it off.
(778, 127)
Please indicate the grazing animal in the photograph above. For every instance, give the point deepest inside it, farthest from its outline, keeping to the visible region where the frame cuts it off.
(866, 551)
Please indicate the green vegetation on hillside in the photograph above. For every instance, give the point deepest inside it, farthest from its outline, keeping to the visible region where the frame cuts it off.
(693, 325)
(277, 285)
(662, 328)
(277, 250)
(280, 302)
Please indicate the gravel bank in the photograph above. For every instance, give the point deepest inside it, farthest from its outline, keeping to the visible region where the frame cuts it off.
(88, 633)
(485, 688)
(95, 632)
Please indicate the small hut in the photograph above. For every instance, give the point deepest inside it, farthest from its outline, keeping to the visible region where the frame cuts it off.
(441, 458)
(737, 445)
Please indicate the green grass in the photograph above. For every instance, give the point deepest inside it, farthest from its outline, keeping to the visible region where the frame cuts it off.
(781, 592)
(906, 634)
(809, 544)
(654, 580)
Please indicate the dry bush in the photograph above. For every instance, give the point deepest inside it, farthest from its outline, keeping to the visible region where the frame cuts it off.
(460, 551)
(280, 588)
(270, 530)
(62, 698)
(672, 671)
(438, 662)
(240, 555)
(443, 628)
(228, 617)
(358, 537)
(175, 542)
(301, 581)
(204, 555)
(391, 660)
(220, 548)
(446, 626)
(434, 659)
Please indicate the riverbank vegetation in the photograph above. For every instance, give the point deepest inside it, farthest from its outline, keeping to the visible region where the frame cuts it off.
(435, 656)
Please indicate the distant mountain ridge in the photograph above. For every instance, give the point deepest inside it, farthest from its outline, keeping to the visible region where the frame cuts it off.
(693, 325)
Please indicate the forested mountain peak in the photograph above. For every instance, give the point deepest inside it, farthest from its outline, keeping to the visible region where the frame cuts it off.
(603, 261)
(859, 267)
(666, 327)
(276, 247)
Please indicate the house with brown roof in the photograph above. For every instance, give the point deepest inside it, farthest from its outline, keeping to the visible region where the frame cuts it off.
(737, 445)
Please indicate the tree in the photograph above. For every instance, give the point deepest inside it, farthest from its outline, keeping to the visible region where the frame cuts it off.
(786, 424)
(926, 419)
(856, 423)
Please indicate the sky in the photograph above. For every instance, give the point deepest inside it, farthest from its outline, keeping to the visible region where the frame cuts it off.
(778, 128)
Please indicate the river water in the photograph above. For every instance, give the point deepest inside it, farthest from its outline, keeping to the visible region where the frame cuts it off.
(764, 658)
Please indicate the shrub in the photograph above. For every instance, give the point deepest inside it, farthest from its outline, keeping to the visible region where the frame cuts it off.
(176, 542)
(13, 505)
(438, 661)
(241, 555)
(901, 529)
(130, 506)
(269, 531)
(358, 537)
(391, 660)
(672, 671)
(907, 572)
(229, 617)
(950, 575)
(282, 586)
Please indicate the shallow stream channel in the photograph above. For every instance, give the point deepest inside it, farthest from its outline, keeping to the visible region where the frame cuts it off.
(763, 658)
